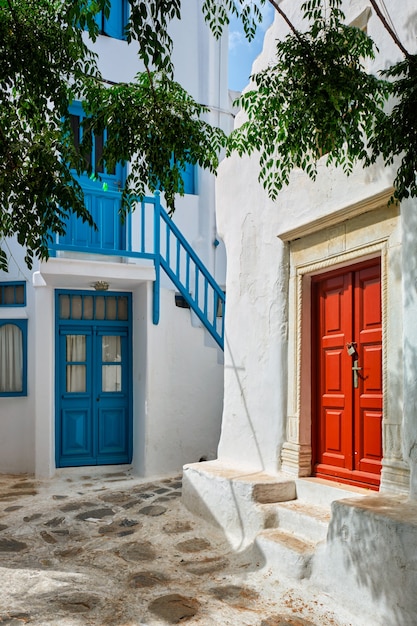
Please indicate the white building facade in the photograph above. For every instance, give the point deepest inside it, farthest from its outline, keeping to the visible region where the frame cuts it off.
(112, 370)
(277, 253)
(320, 359)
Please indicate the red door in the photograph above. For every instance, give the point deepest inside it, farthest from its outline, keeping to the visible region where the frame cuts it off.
(347, 375)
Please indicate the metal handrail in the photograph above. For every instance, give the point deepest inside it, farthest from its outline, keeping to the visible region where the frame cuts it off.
(169, 250)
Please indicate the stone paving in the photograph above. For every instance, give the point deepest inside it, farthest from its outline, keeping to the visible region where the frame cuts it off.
(109, 549)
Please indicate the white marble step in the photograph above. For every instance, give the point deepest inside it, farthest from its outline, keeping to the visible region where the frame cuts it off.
(285, 553)
(323, 492)
(303, 519)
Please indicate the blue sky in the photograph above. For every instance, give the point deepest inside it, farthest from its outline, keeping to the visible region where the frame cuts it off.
(242, 53)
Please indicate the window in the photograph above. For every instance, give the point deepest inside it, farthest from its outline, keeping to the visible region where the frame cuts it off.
(188, 176)
(13, 357)
(74, 306)
(77, 116)
(114, 25)
(13, 294)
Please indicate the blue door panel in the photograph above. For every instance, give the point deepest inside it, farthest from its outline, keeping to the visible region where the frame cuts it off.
(113, 433)
(77, 436)
(93, 389)
(104, 208)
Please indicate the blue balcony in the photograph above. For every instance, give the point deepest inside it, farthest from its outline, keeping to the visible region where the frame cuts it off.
(154, 237)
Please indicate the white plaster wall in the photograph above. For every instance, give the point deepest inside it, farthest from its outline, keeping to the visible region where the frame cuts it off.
(200, 63)
(17, 418)
(184, 383)
(255, 403)
(256, 320)
(409, 365)
(178, 394)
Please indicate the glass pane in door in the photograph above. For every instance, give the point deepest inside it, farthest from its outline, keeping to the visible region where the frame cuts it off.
(111, 354)
(76, 368)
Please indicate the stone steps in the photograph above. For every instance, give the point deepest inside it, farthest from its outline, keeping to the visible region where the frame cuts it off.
(301, 518)
(295, 528)
(323, 492)
(286, 553)
(290, 546)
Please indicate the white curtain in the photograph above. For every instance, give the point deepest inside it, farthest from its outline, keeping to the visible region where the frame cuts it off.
(76, 374)
(111, 353)
(11, 358)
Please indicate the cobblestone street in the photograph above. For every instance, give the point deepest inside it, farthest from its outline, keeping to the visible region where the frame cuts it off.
(88, 549)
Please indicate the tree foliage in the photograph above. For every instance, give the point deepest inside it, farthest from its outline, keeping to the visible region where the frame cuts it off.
(317, 99)
(46, 62)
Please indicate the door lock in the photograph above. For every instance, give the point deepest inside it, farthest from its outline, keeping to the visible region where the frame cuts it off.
(351, 348)
(355, 370)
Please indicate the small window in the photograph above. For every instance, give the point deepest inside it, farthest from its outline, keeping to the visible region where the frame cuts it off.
(187, 175)
(13, 294)
(87, 307)
(114, 25)
(13, 357)
(77, 117)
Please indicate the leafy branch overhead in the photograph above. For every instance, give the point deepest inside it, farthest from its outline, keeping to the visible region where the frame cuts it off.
(316, 98)
(158, 115)
(46, 63)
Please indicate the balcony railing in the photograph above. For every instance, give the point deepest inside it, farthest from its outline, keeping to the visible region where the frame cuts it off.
(154, 237)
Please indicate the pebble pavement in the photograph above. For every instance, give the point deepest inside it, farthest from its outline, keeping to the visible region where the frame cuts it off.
(90, 548)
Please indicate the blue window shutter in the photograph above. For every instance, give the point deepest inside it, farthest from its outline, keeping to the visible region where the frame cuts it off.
(188, 178)
(114, 25)
(187, 175)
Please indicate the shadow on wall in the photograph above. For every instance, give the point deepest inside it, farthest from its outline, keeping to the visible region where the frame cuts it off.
(409, 363)
(371, 556)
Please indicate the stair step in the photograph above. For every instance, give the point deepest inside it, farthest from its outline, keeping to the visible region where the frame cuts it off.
(322, 492)
(304, 519)
(265, 492)
(288, 554)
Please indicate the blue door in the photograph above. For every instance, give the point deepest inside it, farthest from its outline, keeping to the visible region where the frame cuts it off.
(102, 193)
(93, 379)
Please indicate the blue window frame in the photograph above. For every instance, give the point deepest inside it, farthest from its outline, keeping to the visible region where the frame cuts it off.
(188, 176)
(114, 25)
(114, 178)
(13, 357)
(102, 197)
(12, 293)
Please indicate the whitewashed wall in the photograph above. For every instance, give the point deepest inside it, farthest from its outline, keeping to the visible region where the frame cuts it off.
(260, 367)
(178, 386)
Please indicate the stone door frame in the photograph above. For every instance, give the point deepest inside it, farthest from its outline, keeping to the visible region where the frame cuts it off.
(363, 231)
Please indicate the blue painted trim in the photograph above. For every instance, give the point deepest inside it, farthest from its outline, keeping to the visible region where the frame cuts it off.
(22, 324)
(15, 283)
(210, 294)
(157, 253)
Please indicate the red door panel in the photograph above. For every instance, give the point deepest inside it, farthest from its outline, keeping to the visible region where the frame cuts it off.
(347, 416)
(335, 320)
(368, 397)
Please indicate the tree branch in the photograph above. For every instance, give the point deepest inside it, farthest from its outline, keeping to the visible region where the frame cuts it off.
(287, 20)
(389, 29)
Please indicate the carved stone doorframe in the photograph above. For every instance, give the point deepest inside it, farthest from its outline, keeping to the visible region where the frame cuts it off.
(361, 237)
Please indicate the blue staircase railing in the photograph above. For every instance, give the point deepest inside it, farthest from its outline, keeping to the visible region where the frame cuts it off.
(159, 240)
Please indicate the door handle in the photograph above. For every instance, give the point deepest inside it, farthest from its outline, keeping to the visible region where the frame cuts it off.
(355, 370)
